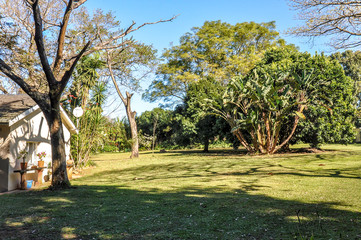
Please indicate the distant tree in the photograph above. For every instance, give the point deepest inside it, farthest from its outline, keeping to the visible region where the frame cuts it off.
(340, 19)
(217, 50)
(351, 63)
(208, 127)
(115, 137)
(158, 124)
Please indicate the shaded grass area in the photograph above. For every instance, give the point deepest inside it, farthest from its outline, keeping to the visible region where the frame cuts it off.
(192, 195)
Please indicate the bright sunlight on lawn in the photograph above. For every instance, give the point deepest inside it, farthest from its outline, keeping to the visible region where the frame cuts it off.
(192, 195)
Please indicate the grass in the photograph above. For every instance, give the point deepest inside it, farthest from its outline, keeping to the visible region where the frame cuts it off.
(193, 195)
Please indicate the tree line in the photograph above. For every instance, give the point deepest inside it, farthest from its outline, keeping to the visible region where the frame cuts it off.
(268, 93)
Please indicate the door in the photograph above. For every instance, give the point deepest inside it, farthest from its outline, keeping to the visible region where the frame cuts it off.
(4, 174)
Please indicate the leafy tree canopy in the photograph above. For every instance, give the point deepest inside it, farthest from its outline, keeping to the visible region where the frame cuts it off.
(331, 118)
(217, 50)
(265, 107)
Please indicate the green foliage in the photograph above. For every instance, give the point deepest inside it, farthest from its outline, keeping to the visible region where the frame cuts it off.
(180, 128)
(209, 127)
(330, 119)
(159, 120)
(174, 129)
(285, 87)
(216, 50)
(261, 102)
(116, 137)
(351, 63)
(91, 125)
(89, 93)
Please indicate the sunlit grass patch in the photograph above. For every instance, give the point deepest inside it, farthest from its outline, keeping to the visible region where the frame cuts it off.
(57, 200)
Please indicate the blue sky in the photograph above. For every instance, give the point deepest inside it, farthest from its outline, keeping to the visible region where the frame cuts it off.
(193, 13)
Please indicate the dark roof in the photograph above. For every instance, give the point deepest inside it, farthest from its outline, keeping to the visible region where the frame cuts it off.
(13, 105)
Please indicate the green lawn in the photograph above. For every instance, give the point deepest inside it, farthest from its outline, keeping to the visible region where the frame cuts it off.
(192, 195)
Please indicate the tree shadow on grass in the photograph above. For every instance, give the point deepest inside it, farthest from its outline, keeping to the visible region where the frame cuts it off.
(206, 169)
(190, 152)
(111, 212)
(241, 151)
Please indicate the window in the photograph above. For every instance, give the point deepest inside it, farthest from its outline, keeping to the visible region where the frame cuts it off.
(31, 156)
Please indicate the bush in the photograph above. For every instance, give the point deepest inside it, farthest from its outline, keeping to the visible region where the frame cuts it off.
(110, 148)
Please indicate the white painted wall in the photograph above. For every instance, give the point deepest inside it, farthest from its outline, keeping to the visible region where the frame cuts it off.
(31, 131)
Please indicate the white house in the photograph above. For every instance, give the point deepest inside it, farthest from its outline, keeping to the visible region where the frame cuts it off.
(23, 128)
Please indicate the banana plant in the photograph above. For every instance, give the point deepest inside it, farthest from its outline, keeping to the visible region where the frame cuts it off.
(262, 101)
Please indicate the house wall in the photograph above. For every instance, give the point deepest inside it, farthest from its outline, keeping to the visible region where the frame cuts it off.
(31, 134)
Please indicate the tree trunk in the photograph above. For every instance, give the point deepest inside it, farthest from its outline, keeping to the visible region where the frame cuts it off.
(134, 133)
(60, 177)
(130, 114)
(206, 145)
(242, 140)
(155, 121)
(133, 126)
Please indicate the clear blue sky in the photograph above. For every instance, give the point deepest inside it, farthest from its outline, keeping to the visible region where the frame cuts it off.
(194, 13)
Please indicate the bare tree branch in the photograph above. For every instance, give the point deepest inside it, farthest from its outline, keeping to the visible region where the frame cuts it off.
(109, 64)
(68, 73)
(111, 43)
(5, 69)
(40, 44)
(340, 19)
(61, 38)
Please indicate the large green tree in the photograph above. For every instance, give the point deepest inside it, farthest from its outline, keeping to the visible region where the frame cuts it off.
(216, 50)
(260, 103)
(331, 119)
(285, 87)
(157, 124)
(201, 65)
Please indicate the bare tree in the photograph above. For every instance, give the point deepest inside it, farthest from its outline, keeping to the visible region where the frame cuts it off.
(340, 19)
(124, 68)
(50, 37)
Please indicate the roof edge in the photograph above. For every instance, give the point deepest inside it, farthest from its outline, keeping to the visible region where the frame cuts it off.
(71, 126)
(23, 115)
(64, 116)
